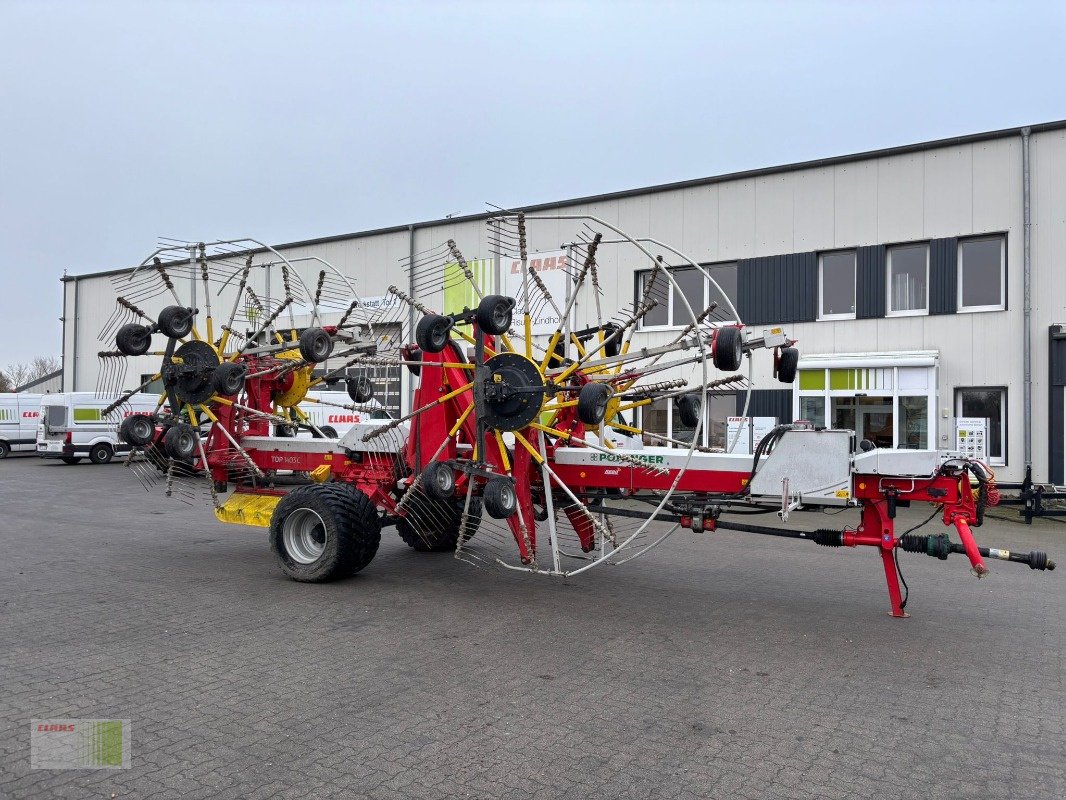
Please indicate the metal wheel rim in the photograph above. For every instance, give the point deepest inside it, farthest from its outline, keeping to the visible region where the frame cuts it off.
(443, 480)
(301, 532)
(439, 333)
(141, 430)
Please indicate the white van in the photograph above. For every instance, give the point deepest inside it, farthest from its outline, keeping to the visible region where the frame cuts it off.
(72, 425)
(19, 414)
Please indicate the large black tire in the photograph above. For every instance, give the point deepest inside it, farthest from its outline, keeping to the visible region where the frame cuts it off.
(500, 498)
(176, 322)
(413, 354)
(592, 402)
(432, 526)
(360, 389)
(336, 517)
(137, 430)
(688, 408)
(315, 345)
(180, 442)
(329, 432)
(71, 460)
(432, 332)
(228, 378)
(101, 453)
(438, 480)
(788, 364)
(727, 350)
(133, 339)
(5, 449)
(613, 347)
(494, 314)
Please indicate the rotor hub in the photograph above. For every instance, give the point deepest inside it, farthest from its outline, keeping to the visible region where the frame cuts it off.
(514, 391)
(188, 373)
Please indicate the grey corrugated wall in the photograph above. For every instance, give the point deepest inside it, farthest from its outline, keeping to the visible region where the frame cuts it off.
(768, 403)
(777, 289)
(870, 282)
(1056, 397)
(943, 275)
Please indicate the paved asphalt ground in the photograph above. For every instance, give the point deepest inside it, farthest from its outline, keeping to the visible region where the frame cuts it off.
(721, 666)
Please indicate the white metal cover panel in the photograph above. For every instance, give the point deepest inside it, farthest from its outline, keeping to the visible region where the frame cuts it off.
(817, 464)
(903, 463)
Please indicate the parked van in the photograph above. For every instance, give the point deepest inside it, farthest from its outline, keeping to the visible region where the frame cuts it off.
(19, 414)
(72, 425)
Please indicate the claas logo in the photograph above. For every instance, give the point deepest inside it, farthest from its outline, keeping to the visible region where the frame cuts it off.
(540, 264)
(31, 414)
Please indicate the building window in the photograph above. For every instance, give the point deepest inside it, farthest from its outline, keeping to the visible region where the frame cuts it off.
(908, 280)
(661, 417)
(989, 403)
(725, 292)
(693, 286)
(982, 271)
(155, 387)
(836, 285)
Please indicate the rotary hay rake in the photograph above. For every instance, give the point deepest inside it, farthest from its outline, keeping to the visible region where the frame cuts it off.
(527, 446)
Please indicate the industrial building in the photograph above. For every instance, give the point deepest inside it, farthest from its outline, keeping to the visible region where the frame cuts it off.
(924, 284)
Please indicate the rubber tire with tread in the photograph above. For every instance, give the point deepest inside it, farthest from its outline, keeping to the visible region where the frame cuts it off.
(430, 535)
(432, 333)
(612, 348)
(228, 378)
(315, 345)
(353, 531)
(133, 339)
(176, 440)
(438, 480)
(500, 498)
(101, 453)
(129, 433)
(413, 354)
(788, 364)
(592, 402)
(72, 460)
(360, 390)
(494, 314)
(5, 450)
(727, 353)
(688, 409)
(175, 322)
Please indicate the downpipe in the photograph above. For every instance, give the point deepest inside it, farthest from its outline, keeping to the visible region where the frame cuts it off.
(1027, 307)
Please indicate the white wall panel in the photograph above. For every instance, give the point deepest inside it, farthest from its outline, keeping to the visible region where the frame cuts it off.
(699, 236)
(813, 217)
(855, 203)
(736, 220)
(774, 206)
(948, 197)
(900, 198)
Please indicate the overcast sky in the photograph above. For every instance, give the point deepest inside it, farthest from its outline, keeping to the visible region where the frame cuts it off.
(123, 122)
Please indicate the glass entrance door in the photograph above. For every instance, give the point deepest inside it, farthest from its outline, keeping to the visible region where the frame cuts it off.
(870, 417)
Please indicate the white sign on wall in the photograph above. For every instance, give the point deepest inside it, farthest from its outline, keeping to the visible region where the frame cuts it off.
(971, 437)
(551, 268)
(752, 431)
